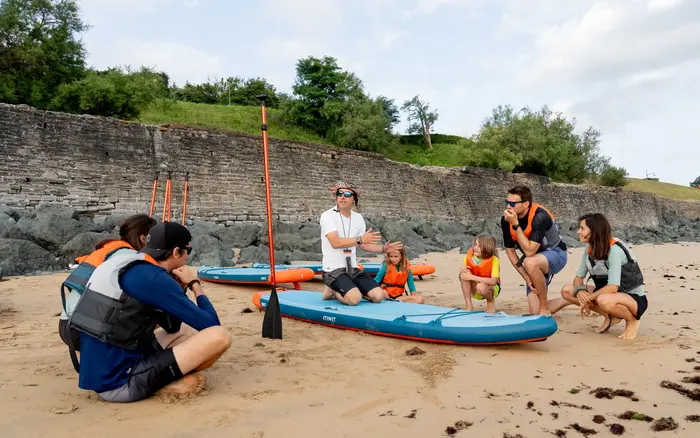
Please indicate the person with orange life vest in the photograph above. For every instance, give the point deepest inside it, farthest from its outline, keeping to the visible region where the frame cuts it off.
(480, 276)
(531, 228)
(394, 275)
(124, 357)
(132, 232)
(617, 291)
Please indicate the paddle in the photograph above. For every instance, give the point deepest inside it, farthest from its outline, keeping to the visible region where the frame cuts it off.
(184, 202)
(272, 322)
(153, 194)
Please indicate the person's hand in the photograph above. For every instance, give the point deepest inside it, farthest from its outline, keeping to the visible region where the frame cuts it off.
(584, 311)
(371, 237)
(510, 217)
(393, 246)
(584, 299)
(184, 274)
(465, 274)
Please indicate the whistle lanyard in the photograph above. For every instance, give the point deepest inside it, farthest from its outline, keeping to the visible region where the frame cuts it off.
(342, 224)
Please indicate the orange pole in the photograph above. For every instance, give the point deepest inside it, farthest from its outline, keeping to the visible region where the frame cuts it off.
(153, 193)
(170, 195)
(184, 201)
(272, 322)
(165, 202)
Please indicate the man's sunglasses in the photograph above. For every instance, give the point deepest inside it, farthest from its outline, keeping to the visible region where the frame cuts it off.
(513, 203)
(188, 249)
(343, 193)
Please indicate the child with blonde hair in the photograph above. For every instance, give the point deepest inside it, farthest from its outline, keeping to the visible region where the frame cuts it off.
(394, 275)
(481, 274)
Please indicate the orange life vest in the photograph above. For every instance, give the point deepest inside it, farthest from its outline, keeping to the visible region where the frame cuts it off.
(612, 242)
(394, 281)
(98, 256)
(483, 269)
(531, 215)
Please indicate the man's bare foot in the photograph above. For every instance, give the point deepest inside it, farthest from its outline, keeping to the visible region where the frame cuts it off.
(328, 294)
(545, 312)
(190, 384)
(608, 323)
(631, 328)
(490, 307)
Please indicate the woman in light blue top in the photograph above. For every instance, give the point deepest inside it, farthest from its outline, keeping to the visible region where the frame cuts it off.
(616, 292)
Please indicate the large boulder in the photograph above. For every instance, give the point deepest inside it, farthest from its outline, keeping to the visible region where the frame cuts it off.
(310, 230)
(53, 226)
(209, 250)
(238, 235)
(18, 257)
(9, 228)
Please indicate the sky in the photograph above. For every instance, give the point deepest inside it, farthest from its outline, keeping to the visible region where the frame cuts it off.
(629, 68)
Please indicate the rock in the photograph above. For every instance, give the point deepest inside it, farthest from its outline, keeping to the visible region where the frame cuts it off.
(83, 243)
(304, 256)
(238, 235)
(261, 254)
(209, 250)
(18, 257)
(9, 228)
(51, 230)
(15, 214)
(310, 230)
(56, 210)
(113, 221)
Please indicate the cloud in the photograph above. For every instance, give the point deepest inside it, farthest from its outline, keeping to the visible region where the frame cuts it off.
(615, 39)
(388, 39)
(180, 61)
(126, 7)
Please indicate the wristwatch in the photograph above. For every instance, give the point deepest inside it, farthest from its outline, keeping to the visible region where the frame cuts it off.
(358, 239)
(516, 226)
(189, 285)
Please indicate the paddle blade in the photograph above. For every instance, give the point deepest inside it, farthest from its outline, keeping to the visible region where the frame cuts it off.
(272, 322)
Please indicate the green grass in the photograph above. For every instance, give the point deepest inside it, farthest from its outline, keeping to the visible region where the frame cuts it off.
(234, 118)
(662, 189)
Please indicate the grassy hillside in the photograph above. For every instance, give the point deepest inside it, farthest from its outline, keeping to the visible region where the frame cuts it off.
(663, 189)
(229, 118)
(248, 118)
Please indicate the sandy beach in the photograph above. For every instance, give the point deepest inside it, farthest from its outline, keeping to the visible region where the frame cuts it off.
(320, 381)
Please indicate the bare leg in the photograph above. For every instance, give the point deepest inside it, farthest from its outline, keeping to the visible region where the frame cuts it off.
(328, 293)
(197, 353)
(376, 295)
(467, 289)
(352, 298)
(537, 267)
(486, 291)
(622, 306)
(169, 340)
(416, 299)
(567, 293)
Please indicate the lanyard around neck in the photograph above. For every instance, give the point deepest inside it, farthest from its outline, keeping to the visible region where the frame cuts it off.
(342, 224)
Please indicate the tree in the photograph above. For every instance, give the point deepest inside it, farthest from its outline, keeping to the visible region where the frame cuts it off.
(364, 126)
(39, 50)
(111, 93)
(391, 111)
(421, 119)
(613, 176)
(320, 91)
(695, 184)
(539, 142)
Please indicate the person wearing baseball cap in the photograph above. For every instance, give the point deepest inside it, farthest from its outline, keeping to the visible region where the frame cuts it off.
(126, 359)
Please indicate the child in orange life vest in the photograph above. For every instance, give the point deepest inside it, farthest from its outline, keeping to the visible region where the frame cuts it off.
(393, 276)
(480, 275)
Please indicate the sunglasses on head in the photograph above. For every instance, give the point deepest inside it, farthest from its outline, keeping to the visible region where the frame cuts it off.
(343, 193)
(513, 203)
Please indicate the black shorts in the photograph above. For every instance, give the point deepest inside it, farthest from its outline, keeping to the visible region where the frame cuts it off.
(68, 334)
(342, 282)
(642, 304)
(149, 375)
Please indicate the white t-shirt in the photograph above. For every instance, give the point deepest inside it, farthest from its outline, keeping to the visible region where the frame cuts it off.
(333, 220)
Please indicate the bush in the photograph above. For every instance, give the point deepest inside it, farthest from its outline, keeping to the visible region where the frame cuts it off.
(613, 176)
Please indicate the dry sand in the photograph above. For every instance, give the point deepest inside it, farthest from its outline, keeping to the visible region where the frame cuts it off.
(321, 381)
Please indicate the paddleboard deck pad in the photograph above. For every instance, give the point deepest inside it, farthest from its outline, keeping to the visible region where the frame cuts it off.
(420, 322)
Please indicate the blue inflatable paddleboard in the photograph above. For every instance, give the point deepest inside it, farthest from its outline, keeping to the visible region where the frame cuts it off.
(316, 267)
(254, 275)
(421, 322)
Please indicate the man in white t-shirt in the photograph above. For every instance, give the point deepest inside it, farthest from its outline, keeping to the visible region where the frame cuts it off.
(342, 231)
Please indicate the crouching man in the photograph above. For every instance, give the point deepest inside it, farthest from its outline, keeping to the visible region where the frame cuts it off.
(125, 356)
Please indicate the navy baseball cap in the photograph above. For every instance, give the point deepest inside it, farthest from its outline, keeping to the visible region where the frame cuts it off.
(165, 237)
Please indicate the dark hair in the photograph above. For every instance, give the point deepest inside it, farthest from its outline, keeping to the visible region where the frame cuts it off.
(601, 233)
(522, 191)
(131, 229)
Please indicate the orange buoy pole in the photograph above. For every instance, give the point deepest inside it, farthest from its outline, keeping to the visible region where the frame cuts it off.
(153, 193)
(272, 322)
(165, 202)
(184, 201)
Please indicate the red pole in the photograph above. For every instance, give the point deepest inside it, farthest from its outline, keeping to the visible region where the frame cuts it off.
(184, 201)
(272, 322)
(153, 193)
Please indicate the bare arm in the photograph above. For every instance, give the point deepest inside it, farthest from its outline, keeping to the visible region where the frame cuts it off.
(528, 247)
(513, 257)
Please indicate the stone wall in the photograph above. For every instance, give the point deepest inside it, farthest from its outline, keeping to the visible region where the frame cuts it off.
(102, 166)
